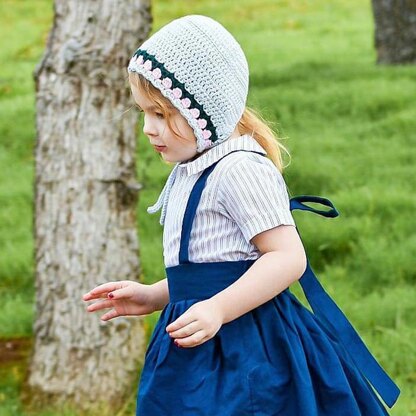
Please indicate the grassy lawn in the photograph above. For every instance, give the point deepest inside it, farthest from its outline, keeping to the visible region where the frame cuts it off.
(349, 125)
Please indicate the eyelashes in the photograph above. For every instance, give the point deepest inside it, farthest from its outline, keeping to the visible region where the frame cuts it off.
(154, 111)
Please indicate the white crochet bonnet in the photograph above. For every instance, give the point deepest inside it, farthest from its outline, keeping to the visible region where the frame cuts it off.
(199, 66)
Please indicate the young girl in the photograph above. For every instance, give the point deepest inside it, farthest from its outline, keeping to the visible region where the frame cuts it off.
(231, 339)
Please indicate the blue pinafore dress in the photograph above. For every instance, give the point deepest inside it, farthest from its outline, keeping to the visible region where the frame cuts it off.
(278, 359)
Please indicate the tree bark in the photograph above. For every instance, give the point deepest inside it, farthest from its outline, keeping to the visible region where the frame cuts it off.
(395, 31)
(85, 202)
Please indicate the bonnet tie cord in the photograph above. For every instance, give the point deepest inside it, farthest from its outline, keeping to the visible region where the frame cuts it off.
(163, 199)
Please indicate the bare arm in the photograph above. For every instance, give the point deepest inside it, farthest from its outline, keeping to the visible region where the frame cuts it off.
(283, 261)
(160, 294)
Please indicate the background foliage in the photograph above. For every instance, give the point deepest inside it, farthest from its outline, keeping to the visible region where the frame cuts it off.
(350, 127)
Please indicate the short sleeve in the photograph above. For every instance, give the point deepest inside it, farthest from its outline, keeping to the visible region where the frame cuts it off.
(253, 193)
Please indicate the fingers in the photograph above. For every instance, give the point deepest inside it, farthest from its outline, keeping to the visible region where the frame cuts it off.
(197, 325)
(181, 322)
(102, 290)
(100, 305)
(123, 293)
(186, 331)
(191, 334)
(110, 315)
(104, 304)
(194, 340)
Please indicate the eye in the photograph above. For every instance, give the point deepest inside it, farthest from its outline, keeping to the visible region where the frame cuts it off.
(159, 114)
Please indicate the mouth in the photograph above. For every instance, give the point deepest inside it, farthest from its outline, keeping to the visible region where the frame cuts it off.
(159, 148)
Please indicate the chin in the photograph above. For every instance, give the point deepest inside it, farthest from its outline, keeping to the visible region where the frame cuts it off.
(169, 159)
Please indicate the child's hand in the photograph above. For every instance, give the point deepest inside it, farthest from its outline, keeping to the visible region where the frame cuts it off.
(197, 325)
(124, 297)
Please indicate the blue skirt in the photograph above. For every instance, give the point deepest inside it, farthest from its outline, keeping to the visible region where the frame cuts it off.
(278, 359)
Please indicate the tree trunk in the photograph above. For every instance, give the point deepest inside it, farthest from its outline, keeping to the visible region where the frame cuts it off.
(86, 195)
(395, 31)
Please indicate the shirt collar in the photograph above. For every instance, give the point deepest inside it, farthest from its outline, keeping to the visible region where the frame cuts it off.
(245, 142)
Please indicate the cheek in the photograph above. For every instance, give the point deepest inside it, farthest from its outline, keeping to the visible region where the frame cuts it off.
(188, 132)
(185, 130)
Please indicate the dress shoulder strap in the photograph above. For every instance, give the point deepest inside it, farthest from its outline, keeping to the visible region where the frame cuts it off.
(334, 319)
(192, 206)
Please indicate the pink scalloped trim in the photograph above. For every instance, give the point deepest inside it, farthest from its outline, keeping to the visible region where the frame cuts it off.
(157, 73)
(206, 134)
(177, 93)
(167, 82)
(186, 102)
(195, 112)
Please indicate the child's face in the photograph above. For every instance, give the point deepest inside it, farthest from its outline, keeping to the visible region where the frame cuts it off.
(161, 137)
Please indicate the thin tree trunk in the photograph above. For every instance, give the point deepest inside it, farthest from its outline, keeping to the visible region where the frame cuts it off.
(86, 194)
(395, 31)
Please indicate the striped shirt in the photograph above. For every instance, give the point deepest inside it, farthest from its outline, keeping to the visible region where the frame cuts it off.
(244, 196)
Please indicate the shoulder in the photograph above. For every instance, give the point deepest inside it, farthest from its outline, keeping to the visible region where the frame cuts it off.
(246, 178)
(248, 167)
(241, 156)
(245, 160)
(253, 194)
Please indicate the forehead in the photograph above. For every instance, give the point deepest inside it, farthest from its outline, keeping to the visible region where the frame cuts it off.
(152, 100)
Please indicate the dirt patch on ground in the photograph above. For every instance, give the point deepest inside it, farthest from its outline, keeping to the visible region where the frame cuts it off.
(14, 349)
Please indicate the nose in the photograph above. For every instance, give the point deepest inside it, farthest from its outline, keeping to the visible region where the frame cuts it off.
(148, 127)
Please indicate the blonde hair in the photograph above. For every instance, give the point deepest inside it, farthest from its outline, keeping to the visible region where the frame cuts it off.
(251, 122)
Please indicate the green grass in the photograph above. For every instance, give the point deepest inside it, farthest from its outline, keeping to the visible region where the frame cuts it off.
(350, 127)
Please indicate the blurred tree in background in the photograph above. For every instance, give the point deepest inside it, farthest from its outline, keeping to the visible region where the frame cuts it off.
(395, 31)
(86, 194)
